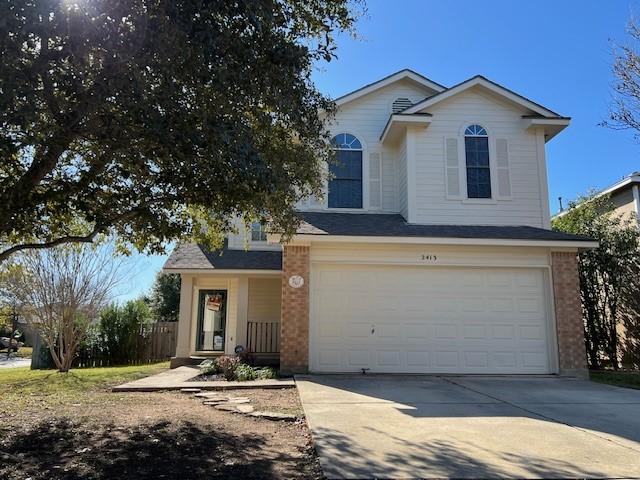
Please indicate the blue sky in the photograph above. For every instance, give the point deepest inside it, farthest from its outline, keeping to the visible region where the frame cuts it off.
(557, 53)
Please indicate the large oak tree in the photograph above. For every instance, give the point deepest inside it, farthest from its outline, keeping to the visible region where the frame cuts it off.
(158, 120)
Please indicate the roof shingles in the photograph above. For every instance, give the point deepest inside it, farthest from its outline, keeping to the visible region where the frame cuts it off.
(195, 257)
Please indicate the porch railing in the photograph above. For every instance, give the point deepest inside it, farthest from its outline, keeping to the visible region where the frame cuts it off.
(263, 337)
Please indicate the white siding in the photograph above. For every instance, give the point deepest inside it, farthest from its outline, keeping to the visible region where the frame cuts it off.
(502, 120)
(265, 296)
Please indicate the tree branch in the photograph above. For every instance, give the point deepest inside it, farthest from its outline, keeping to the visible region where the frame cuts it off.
(74, 238)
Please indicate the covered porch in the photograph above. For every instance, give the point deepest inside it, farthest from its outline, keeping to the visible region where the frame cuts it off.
(219, 313)
(228, 299)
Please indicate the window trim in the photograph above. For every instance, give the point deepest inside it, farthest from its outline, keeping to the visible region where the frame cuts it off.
(262, 232)
(364, 179)
(462, 158)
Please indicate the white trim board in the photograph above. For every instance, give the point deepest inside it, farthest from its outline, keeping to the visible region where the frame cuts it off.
(489, 85)
(307, 239)
(404, 74)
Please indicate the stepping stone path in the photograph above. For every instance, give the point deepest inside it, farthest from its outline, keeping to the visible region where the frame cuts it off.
(240, 405)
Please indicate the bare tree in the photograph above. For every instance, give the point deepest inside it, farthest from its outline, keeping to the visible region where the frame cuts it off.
(62, 290)
(625, 110)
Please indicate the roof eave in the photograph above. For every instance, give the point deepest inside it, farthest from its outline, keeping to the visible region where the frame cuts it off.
(488, 84)
(551, 126)
(398, 121)
(388, 80)
(221, 271)
(326, 238)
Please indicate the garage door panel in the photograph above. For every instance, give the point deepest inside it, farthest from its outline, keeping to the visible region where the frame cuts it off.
(476, 359)
(447, 358)
(429, 320)
(359, 358)
(474, 332)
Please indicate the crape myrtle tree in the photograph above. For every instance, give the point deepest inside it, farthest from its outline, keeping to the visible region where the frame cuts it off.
(606, 273)
(61, 291)
(159, 120)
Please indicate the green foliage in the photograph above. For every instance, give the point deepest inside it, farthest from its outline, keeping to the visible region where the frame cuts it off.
(605, 272)
(265, 373)
(209, 367)
(165, 297)
(244, 373)
(120, 329)
(159, 120)
(233, 368)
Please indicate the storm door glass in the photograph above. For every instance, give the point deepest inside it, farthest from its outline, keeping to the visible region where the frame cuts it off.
(212, 320)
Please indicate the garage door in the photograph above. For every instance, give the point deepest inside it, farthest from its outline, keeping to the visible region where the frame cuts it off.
(429, 320)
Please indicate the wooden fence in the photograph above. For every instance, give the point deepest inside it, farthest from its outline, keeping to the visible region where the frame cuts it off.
(155, 344)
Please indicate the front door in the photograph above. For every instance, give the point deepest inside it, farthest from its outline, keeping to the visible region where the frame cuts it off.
(212, 321)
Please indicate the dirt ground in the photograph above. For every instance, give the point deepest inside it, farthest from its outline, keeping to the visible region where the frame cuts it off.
(104, 435)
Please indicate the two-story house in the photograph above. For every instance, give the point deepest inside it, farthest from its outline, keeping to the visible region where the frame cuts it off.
(431, 251)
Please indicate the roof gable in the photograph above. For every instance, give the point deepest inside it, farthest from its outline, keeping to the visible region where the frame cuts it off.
(405, 74)
(493, 87)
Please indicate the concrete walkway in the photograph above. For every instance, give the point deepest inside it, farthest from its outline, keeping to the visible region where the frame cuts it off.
(472, 427)
(13, 361)
(178, 378)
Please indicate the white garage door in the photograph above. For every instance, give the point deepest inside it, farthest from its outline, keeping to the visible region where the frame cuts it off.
(429, 320)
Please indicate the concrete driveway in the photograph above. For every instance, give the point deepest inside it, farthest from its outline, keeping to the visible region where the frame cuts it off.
(472, 427)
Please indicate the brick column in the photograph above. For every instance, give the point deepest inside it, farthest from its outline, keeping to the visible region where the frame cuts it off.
(294, 326)
(572, 353)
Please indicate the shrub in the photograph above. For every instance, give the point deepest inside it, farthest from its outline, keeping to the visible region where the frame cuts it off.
(209, 367)
(245, 373)
(227, 366)
(265, 373)
(120, 328)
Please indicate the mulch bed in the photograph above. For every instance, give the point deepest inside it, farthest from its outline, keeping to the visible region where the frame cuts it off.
(153, 435)
(207, 378)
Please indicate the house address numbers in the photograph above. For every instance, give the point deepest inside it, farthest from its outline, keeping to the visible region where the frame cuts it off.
(427, 257)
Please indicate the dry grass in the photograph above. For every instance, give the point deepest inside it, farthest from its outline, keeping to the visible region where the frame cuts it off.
(68, 426)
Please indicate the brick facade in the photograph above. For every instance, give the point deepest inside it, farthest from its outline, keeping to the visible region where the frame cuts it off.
(566, 290)
(294, 327)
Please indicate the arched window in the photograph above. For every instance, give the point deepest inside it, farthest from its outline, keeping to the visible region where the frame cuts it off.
(345, 186)
(476, 145)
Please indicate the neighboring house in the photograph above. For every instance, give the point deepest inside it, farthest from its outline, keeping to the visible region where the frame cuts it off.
(430, 253)
(625, 196)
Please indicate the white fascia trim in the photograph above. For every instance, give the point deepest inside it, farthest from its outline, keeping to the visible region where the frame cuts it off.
(543, 122)
(402, 119)
(443, 241)
(633, 179)
(472, 82)
(402, 74)
(551, 126)
(618, 185)
(215, 271)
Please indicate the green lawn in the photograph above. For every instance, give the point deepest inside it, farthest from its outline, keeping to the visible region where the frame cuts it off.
(619, 379)
(22, 383)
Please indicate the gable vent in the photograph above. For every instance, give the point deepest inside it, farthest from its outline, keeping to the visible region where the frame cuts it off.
(400, 104)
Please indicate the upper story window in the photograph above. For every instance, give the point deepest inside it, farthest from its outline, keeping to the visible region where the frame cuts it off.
(476, 145)
(258, 232)
(345, 186)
